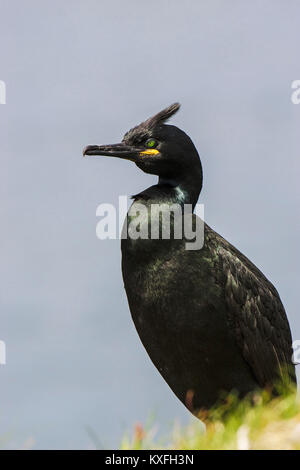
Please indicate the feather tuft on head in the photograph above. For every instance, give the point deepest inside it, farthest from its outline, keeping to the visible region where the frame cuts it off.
(162, 116)
(140, 132)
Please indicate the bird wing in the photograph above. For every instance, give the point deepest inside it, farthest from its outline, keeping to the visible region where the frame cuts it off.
(255, 314)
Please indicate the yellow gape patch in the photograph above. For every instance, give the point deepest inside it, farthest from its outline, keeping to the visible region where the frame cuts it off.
(149, 152)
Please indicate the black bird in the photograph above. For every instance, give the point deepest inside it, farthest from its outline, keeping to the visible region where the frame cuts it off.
(209, 319)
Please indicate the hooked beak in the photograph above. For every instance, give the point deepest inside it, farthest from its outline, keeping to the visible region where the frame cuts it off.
(115, 150)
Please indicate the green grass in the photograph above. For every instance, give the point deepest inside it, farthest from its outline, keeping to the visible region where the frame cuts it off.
(257, 423)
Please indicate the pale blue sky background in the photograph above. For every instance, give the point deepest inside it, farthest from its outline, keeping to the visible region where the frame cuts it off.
(84, 72)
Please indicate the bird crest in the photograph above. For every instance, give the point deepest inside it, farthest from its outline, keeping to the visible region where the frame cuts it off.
(156, 120)
(162, 116)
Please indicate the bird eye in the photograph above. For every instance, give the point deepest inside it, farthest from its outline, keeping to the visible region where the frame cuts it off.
(151, 143)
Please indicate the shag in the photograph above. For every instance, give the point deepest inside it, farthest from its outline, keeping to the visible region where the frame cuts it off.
(209, 319)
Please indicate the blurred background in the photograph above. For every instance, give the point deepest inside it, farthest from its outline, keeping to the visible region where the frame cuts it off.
(83, 72)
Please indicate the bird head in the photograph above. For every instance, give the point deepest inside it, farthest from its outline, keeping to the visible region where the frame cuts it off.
(155, 147)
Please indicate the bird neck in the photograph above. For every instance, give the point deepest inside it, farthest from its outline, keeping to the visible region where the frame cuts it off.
(186, 188)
